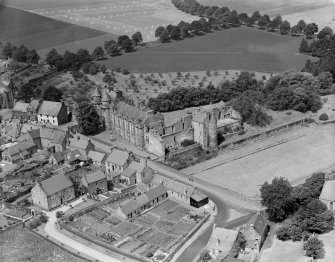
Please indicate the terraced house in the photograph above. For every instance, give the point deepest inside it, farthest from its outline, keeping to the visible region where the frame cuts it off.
(52, 112)
(19, 152)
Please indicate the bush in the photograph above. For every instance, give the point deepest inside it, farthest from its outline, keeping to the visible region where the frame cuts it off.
(59, 214)
(44, 218)
(187, 143)
(314, 248)
(125, 72)
(283, 233)
(324, 117)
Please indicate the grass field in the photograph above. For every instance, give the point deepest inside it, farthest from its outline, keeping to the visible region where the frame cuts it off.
(237, 48)
(38, 32)
(307, 151)
(20, 244)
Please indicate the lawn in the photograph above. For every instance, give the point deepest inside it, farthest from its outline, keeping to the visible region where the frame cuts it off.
(38, 32)
(307, 150)
(20, 244)
(237, 48)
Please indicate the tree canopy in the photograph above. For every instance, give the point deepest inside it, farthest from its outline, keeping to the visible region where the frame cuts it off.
(88, 118)
(51, 93)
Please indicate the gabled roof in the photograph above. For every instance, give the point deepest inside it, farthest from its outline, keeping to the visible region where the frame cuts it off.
(34, 104)
(50, 108)
(58, 156)
(94, 177)
(79, 143)
(96, 92)
(19, 148)
(138, 167)
(328, 191)
(96, 156)
(222, 239)
(118, 157)
(173, 185)
(128, 172)
(257, 221)
(55, 184)
(130, 112)
(105, 96)
(20, 107)
(132, 205)
(155, 193)
(54, 135)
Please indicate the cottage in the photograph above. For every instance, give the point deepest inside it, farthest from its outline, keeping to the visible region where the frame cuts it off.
(117, 161)
(98, 158)
(20, 111)
(74, 157)
(221, 241)
(56, 158)
(129, 176)
(19, 152)
(83, 145)
(53, 192)
(94, 183)
(328, 194)
(255, 233)
(52, 112)
(144, 173)
(139, 204)
(198, 199)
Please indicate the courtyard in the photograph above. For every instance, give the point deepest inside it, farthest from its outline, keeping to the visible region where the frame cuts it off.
(156, 232)
(293, 155)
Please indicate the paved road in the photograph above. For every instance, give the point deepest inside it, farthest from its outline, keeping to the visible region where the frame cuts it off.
(51, 229)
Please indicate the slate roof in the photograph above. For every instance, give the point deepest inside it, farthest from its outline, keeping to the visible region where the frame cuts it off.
(118, 157)
(328, 191)
(50, 108)
(222, 239)
(130, 112)
(96, 92)
(105, 96)
(173, 185)
(55, 184)
(34, 104)
(20, 107)
(79, 143)
(132, 205)
(58, 156)
(128, 172)
(138, 167)
(54, 135)
(19, 148)
(96, 156)
(94, 177)
(259, 222)
(155, 193)
(198, 195)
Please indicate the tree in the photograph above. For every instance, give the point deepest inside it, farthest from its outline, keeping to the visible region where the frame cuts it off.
(303, 46)
(137, 38)
(263, 22)
(164, 37)
(33, 57)
(184, 30)
(20, 54)
(127, 45)
(285, 27)
(276, 197)
(315, 183)
(314, 248)
(109, 43)
(295, 30)
(196, 27)
(302, 195)
(175, 32)
(243, 17)
(324, 117)
(26, 92)
(113, 50)
(51, 93)
(277, 21)
(6, 51)
(256, 15)
(83, 56)
(159, 31)
(98, 53)
(53, 58)
(326, 32)
(88, 118)
(233, 18)
(121, 39)
(310, 30)
(301, 26)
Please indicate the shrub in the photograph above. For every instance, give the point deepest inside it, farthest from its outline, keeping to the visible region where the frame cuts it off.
(314, 248)
(283, 233)
(187, 143)
(125, 72)
(71, 218)
(44, 218)
(59, 214)
(324, 117)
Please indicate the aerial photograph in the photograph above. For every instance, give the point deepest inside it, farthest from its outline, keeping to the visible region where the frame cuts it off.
(167, 131)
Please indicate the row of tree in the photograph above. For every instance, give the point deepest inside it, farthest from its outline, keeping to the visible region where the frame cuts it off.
(287, 91)
(19, 54)
(300, 208)
(224, 17)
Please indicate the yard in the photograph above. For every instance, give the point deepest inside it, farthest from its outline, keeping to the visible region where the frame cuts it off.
(161, 228)
(237, 48)
(20, 244)
(292, 155)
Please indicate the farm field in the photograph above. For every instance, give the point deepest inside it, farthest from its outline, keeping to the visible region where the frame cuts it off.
(320, 12)
(112, 16)
(20, 244)
(237, 48)
(297, 157)
(38, 32)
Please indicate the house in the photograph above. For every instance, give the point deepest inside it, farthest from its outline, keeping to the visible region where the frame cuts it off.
(19, 152)
(198, 199)
(32, 109)
(53, 192)
(221, 241)
(83, 145)
(74, 157)
(255, 233)
(94, 183)
(98, 158)
(52, 112)
(20, 111)
(56, 158)
(117, 161)
(136, 206)
(129, 176)
(328, 194)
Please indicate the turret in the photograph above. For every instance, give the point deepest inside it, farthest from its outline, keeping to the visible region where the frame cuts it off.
(105, 109)
(96, 96)
(213, 131)
(105, 99)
